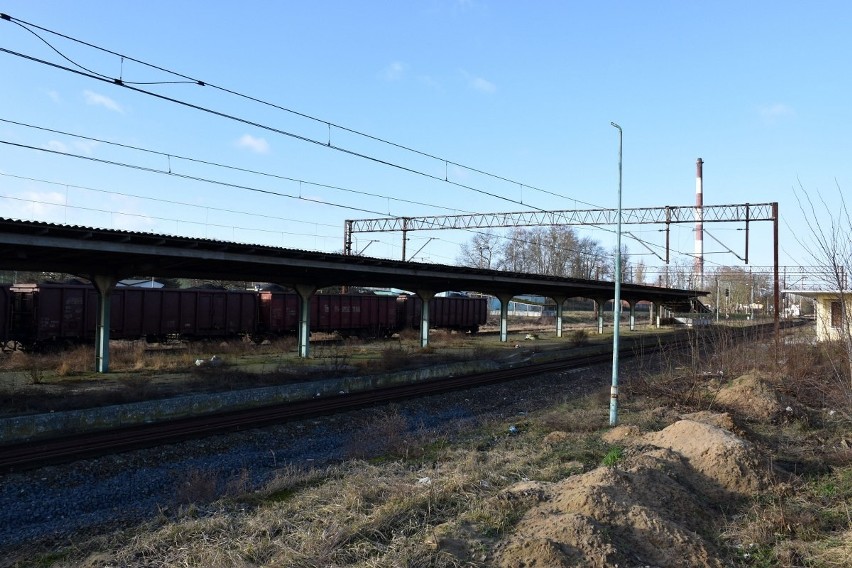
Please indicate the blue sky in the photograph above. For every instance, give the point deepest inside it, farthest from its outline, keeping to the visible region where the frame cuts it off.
(522, 90)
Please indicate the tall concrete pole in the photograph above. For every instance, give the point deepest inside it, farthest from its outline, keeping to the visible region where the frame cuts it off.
(616, 311)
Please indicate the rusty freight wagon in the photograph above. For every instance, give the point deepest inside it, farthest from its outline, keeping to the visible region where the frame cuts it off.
(362, 315)
(459, 313)
(48, 312)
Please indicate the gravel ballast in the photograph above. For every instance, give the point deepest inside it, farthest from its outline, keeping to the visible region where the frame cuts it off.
(53, 507)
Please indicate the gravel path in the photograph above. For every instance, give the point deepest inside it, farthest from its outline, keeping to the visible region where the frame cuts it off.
(52, 506)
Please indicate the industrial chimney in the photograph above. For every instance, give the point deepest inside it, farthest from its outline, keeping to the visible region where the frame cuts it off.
(698, 282)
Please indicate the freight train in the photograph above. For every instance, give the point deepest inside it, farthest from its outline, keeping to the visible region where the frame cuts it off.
(38, 314)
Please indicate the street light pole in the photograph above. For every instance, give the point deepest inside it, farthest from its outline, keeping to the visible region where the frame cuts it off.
(613, 393)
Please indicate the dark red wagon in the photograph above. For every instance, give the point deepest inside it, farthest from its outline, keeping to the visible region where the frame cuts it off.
(54, 312)
(451, 312)
(362, 315)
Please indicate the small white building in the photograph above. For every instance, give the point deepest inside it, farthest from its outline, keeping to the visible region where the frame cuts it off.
(829, 317)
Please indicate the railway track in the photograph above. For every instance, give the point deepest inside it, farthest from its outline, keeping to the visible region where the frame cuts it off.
(30, 455)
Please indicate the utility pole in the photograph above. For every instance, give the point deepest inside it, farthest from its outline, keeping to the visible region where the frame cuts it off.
(616, 310)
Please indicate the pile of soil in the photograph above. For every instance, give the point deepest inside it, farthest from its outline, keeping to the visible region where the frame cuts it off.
(657, 506)
(752, 398)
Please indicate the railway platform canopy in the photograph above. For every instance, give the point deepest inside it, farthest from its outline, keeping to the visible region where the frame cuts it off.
(106, 256)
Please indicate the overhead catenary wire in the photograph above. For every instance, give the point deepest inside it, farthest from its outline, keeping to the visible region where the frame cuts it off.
(245, 170)
(303, 138)
(170, 155)
(121, 81)
(168, 219)
(268, 128)
(166, 201)
(187, 177)
(252, 123)
(190, 80)
(170, 172)
(239, 186)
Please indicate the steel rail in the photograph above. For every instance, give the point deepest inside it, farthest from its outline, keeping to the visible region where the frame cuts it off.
(29, 455)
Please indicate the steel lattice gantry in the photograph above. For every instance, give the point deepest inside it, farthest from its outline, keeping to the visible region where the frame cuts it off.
(666, 215)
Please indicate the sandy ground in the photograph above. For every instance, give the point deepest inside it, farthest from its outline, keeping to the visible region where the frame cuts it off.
(658, 505)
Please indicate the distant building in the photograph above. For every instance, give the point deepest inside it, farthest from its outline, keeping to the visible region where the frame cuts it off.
(829, 320)
(142, 283)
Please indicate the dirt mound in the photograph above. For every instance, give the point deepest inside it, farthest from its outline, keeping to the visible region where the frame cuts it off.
(620, 434)
(654, 507)
(723, 420)
(752, 398)
(723, 464)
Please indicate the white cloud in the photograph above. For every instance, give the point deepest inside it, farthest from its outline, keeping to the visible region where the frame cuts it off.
(258, 145)
(54, 96)
(479, 83)
(127, 215)
(394, 71)
(82, 146)
(428, 81)
(57, 146)
(48, 198)
(775, 112)
(86, 147)
(96, 99)
(483, 85)
(39, 206)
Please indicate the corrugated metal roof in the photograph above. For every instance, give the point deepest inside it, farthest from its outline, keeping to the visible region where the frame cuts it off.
(28, 245)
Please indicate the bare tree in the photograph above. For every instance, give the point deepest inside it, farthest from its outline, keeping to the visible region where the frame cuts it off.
(481, 251)
(554, 251)
(829, 241)
(626, 265)
(592, 260)
(740, 290)
(639, 272)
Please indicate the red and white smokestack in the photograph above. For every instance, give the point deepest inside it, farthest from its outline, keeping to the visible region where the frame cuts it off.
(699, 225)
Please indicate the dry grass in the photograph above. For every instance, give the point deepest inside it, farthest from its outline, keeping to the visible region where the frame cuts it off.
(807, 523)
(353, 514)
(409, 496)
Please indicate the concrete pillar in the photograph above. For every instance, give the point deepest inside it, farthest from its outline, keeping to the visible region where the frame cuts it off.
(657, 311)
(305, 293)
(599, 308)
(632, 304)
(104, 284)
(504, 315)
(560, 306)
(425, 296)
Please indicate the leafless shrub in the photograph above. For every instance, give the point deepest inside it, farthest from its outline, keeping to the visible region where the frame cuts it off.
(393, 357)
(197, 486)
(289, 478)
(335, 357)
(829, 241)
(814, 376)
(386, 434)
(451, 339)
(239, 484)
(75, 360)
(579, 337)
(35, 370)
(409, 334)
